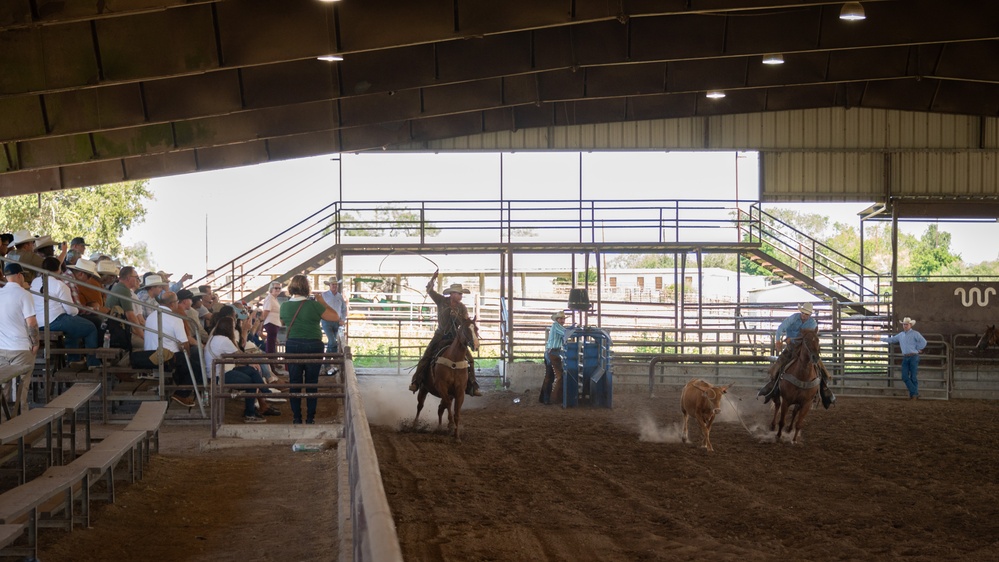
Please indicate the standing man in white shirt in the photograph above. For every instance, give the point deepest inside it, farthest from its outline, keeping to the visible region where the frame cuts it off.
(18, 333)
(334, 298)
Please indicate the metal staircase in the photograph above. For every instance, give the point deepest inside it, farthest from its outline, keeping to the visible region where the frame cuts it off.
(758, 236)
(804, 261)
(301, 248)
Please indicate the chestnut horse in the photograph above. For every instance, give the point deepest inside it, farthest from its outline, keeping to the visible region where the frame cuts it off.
(990, 337)
(799, 385)
(449, 376)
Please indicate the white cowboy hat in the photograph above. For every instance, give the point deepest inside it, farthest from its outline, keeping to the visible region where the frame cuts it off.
(153, 281)
(557, 315)
(22, 236)
(908, 321)
(106, 267)
(43, 241)
(456, 288)
(805, 308)
(334, 281)
(86, 266)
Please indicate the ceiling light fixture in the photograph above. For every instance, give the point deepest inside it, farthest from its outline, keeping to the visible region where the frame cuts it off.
(775, 58)
(330, 58)
(715, 94)
(852, 11)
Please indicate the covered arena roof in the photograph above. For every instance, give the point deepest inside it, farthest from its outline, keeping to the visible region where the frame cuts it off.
(101, 91)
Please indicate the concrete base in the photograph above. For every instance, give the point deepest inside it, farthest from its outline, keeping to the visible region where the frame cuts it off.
(239, 435)
(523, 377)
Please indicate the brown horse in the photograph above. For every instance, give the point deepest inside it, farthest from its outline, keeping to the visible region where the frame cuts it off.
(990, 337)
(449, 376)
(799, 385)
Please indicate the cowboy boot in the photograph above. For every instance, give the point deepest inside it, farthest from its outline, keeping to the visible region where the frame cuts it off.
(769, 391)
(826, 393)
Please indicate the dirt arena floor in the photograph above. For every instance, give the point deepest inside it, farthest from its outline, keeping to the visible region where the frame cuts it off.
(874, 479)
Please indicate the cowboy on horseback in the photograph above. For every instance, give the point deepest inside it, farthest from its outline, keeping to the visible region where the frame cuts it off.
(791, 329)
(450, 313)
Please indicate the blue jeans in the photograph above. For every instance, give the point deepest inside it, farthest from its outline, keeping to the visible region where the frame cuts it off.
(77, 331)
(910, 366)
(330, 329)
(298, 371)
(246, 375)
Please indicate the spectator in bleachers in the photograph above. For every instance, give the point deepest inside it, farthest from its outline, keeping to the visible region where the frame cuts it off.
(108, 271)
(18, 330)
(176, 341)
(302, 315)
(24, 253)
(79, 245)
(121, 291)
(334, 298)
(6, 241)
(178, 285)
(223, 341)
(87, 280)
(63, 316)
(186, 301)
(272, 320)
(46, 247)
(152, 286)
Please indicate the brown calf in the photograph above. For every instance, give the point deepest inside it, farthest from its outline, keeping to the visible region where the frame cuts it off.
(701, 400)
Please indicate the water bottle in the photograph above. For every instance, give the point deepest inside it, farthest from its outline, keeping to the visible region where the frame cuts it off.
(107, 340)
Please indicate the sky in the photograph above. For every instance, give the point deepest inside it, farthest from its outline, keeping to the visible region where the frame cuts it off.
(205, 219)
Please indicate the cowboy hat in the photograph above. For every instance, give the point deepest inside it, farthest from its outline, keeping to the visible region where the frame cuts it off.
(106, 267)
(153, 280)
(44, 241)
(22, 236)
(805, 308)
(334, 281)
(456, 288)
(557, 315)
(908, 321)
(85, 266)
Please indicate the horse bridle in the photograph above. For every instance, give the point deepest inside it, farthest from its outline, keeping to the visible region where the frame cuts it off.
(814, 357)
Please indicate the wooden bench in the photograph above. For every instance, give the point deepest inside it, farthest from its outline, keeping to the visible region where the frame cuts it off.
(9, 534)
(78, 396)
(19, 430)
(37, 503)
(148, 419)
(10, 374)
(101, 460)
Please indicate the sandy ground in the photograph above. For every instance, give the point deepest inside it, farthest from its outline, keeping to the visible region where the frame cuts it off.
(874, 479)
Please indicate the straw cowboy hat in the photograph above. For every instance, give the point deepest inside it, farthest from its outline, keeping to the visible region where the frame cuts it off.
(456, 288)
(908, 321)
(334, 281)
(805, 308)
(106, 267)
(153, 280)
(86, 266)
(557, 315)
(22, 236)
(43, 241)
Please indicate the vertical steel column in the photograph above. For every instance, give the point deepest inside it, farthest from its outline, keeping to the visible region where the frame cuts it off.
(509, 322)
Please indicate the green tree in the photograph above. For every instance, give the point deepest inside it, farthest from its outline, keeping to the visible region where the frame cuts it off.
(931, 255)
(101, 214)
(387, 221)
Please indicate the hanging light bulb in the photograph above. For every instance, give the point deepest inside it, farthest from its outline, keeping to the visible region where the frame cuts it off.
(715, 94)
(852, 11)
(774, 58)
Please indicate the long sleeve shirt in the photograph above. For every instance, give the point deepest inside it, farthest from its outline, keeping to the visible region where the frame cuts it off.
(337, 303)
(911, 342)
(556, 337)
(793, 325)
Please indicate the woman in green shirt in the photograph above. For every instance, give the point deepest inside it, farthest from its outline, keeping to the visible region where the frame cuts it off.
(302, 315)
